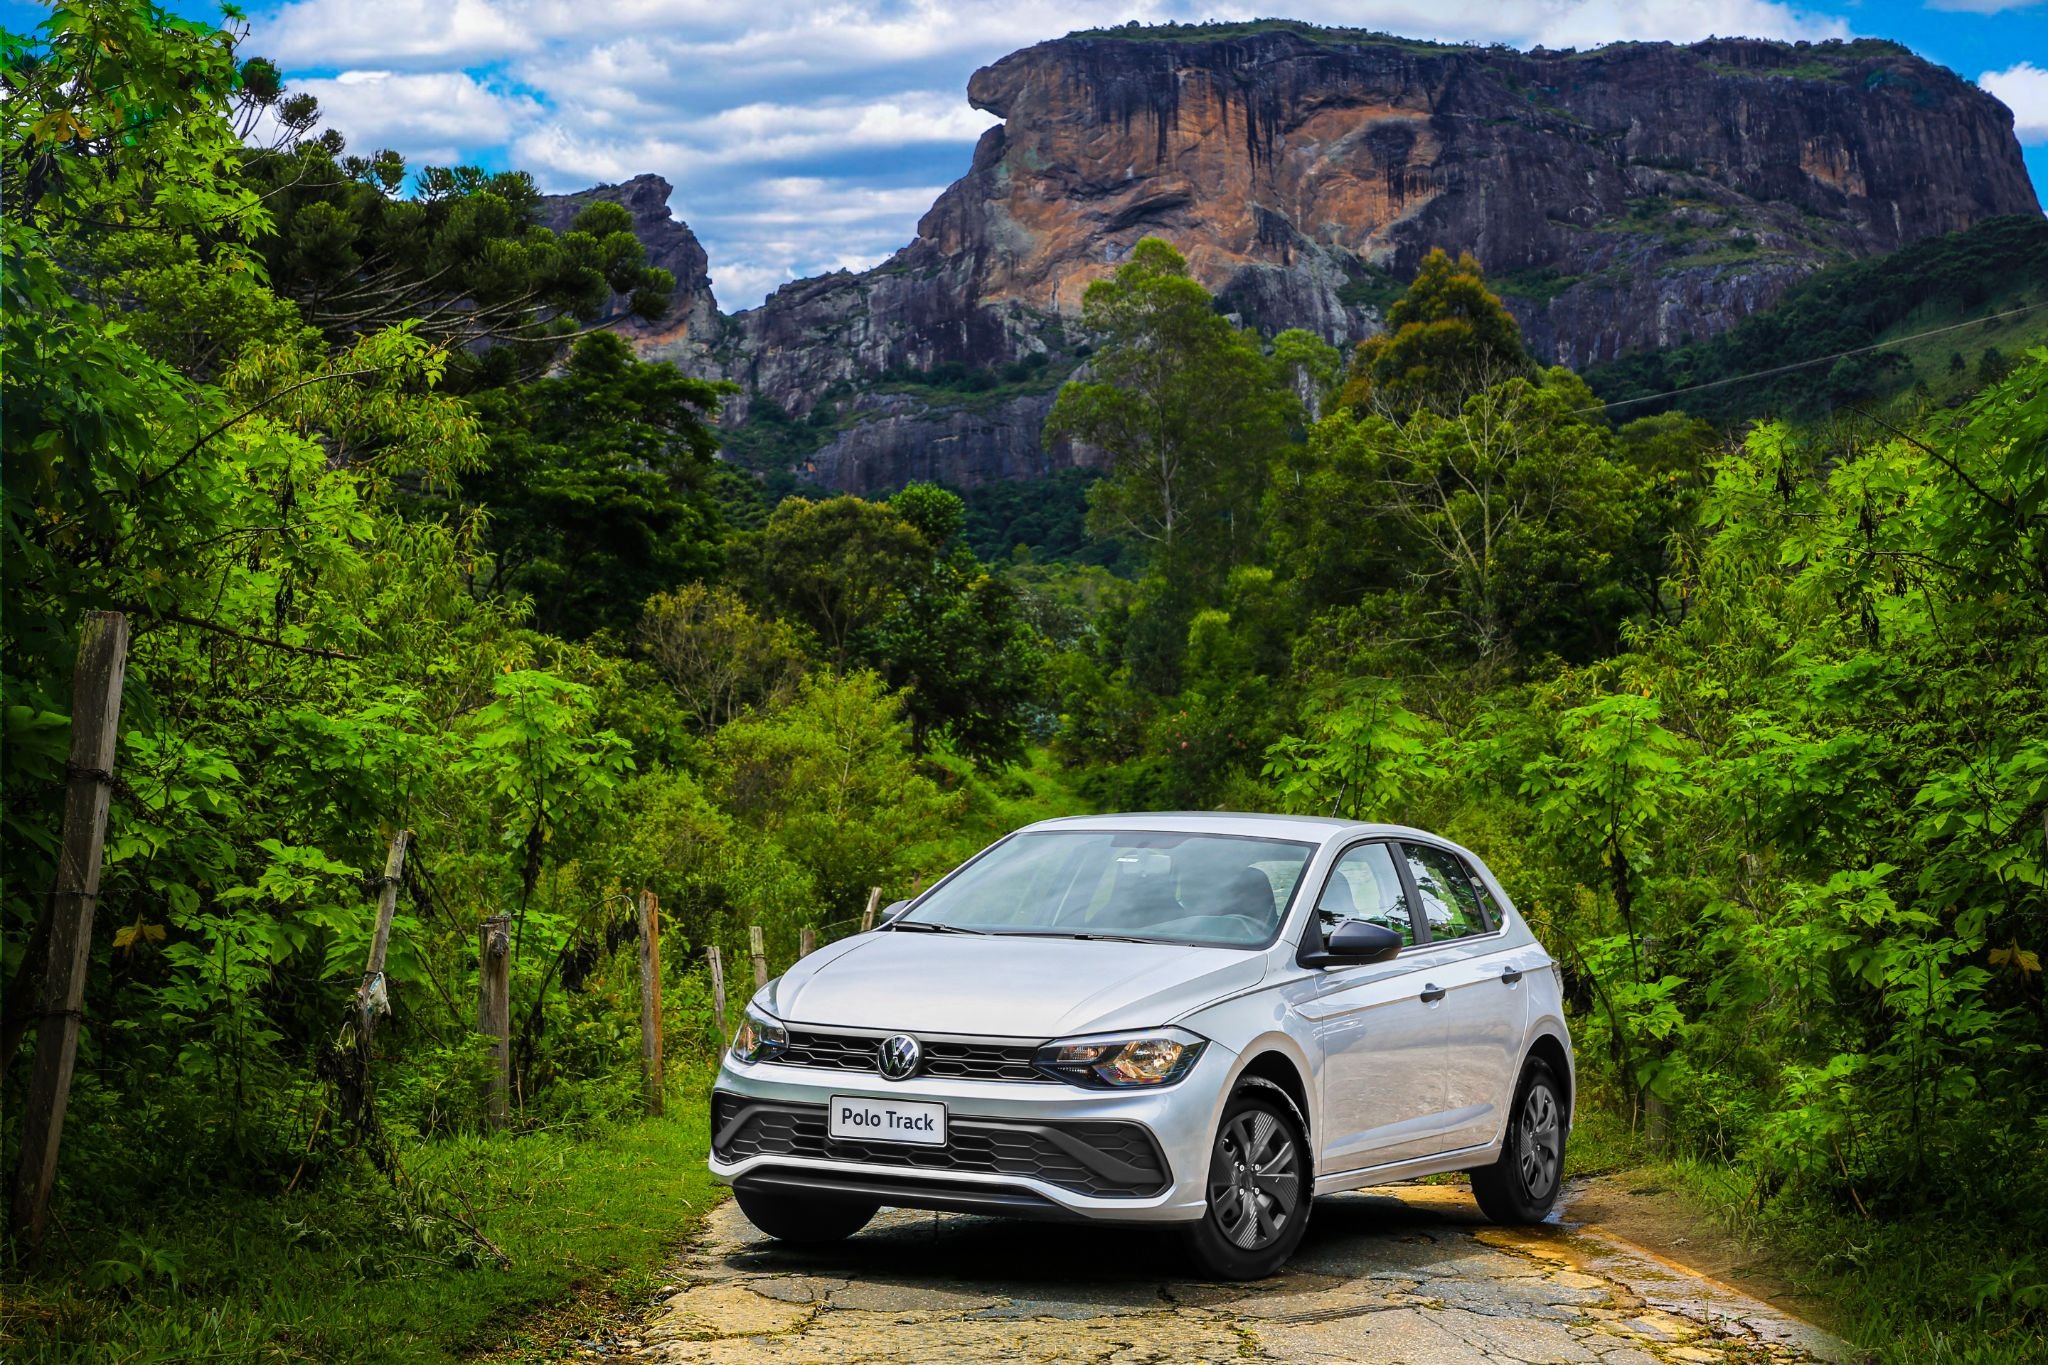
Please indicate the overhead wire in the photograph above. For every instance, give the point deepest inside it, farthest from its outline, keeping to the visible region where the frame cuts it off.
(1817, 360)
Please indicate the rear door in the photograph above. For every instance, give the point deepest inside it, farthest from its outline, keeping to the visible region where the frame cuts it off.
(1382, 1045)
(1485, 1009)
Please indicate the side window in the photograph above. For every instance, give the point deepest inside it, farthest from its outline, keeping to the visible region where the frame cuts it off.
(1448, 900)
(1488, 905)
(1366, 885)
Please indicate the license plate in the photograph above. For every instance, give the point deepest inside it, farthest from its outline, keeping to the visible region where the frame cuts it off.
(887, 1121)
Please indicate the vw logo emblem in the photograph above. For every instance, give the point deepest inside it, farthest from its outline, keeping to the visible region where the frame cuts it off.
(898, 1057)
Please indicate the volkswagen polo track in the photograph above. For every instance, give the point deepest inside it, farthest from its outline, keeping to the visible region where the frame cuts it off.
(1202, 1020)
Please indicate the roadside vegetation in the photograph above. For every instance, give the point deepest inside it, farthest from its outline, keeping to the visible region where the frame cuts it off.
(1751, 719)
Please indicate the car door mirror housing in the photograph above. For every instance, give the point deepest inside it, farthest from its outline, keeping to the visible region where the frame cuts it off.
(1354, 942)
(894, 909)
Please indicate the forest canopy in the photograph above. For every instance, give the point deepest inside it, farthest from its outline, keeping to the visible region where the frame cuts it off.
(1752, 719)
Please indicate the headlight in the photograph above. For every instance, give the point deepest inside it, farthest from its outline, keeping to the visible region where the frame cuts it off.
(760, 1039)
(1158, 1057)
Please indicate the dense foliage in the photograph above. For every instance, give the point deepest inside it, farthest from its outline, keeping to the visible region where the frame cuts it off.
(362, 602)
(2000, 264)
(1754, 725)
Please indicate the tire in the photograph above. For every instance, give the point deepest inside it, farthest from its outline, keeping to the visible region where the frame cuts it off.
(1259, 1188)
(803, 1221)
(1522, 1186)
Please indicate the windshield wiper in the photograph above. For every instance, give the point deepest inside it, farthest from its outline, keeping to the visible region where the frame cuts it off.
(921, 926)
(1077, 933)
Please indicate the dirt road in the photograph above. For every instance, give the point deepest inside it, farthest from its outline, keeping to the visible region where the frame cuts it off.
(1406, 1275)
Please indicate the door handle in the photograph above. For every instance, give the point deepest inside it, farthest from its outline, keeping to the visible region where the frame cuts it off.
(1511, 976)
(1431, 993)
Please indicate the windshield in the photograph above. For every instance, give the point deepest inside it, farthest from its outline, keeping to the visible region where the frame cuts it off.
(1222, 890)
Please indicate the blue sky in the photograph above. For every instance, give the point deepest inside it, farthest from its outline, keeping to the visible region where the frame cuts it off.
(807, 135)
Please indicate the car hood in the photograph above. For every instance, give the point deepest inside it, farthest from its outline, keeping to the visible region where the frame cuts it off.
(1005, 987)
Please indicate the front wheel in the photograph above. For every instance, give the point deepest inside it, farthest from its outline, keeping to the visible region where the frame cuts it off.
(1259, 1188)
(1522, 1186)
(800, 1219)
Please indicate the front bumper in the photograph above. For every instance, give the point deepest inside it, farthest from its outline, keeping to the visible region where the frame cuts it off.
(1004, 1139)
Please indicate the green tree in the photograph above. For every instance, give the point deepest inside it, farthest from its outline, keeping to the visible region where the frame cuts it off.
(462, 259)
(957, 642)
(830, 778)
(836, 567)
(1188, 411)
(1363, 755)
(1448, 337)
(721, 659)
(1504, 528)
(596, 488)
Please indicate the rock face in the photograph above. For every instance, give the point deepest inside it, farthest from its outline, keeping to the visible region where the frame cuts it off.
(1620, 199)
(689, 333)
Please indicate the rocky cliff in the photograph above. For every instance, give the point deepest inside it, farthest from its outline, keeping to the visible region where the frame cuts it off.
(1621, 199)
(689, 332)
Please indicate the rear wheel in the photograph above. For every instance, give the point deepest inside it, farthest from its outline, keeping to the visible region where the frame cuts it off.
(801, 1219)
(1522, 1186)
(1258, 1190)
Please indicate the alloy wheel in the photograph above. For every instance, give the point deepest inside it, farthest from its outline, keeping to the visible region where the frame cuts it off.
(1255, 1183)
(1539, 1145)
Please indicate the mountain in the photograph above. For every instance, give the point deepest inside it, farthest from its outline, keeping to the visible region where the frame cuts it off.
(1624, 199)
(1951, 312)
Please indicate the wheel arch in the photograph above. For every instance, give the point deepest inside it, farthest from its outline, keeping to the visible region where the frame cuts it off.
(1553, 1051)
(1277, 1066)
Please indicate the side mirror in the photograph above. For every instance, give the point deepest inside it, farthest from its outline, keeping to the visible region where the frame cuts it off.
(892, 910)
(1355, 942)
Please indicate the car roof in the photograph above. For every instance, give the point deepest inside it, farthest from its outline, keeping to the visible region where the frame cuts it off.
(1313, 829)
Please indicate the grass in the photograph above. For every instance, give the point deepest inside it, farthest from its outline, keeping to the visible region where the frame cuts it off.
(1376, 290)
(1931, 1287)
(1930, 356)
(1218, 31)
(335, 1275)
(1538, 286)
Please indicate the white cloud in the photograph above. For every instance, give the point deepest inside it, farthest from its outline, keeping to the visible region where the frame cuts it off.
(1681, 21)
(430, 117)
(322, 33)
(1981, 6)
(801, 135)
(2024, 89)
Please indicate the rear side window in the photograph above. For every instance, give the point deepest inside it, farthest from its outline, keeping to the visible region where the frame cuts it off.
(1449, 901)
(1489, 904)
(1365, 885)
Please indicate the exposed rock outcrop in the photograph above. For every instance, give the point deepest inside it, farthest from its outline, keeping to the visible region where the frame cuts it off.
(690, 331)
(1626, 198)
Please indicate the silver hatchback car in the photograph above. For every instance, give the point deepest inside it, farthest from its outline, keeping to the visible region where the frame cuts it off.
(1196, 1019)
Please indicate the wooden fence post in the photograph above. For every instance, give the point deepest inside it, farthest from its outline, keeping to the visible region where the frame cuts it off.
(711, 955)
(494, 1007)
(760, 955)
(95, 728)
(867, 916)
(373, 997)
(806, 941)
(651, 1074)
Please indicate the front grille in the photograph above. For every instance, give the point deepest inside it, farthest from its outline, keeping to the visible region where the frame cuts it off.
(1106, 1159)
(962, 1061)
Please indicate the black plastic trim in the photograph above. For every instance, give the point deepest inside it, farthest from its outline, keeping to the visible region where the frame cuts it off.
(1144, 1183)
(1007, 1201)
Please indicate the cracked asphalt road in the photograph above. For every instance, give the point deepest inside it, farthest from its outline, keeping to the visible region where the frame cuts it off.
(1409, 1275)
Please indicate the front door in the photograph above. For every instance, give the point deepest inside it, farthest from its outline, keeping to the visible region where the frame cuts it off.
(1381, 1042)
